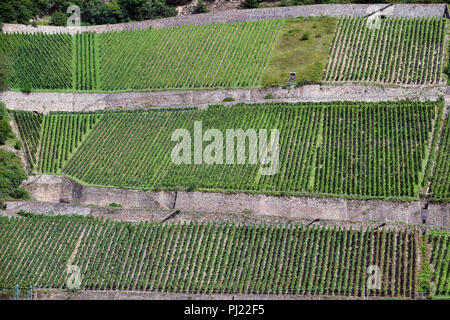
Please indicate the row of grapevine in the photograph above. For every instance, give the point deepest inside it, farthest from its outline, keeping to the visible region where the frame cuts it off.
(439, 243)
(40, 61)
(231, 55)
(337, 148)
(397, 51)
(34, 251)
(62, 134)
(29, 124)
(86, 60)
(440, 181)
(206, 257)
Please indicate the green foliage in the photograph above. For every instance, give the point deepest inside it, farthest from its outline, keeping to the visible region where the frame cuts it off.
(5, 128)
(305, 36)
(6, 71)
(115, 205)
(18, 145)
(59, 19)
(200, 8)
(156, 9)
(250, 4)
(11, 176)
(228, 99)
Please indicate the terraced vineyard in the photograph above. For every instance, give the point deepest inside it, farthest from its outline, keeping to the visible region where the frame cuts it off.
(206, 257)
(344, 149)
(229, 55)
(440, 183)
(30, 132)
(41, 61)
(400, 51)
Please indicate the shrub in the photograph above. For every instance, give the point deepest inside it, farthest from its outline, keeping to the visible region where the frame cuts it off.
(228, 99)
(155, 9)
(11, 176)
(200, 8)
(250, 4)
(115, 205)
(18, 145)
(26, 88)
(59, 19)
(269, 96)
(19, 193)
(177, 2)
(305, 36)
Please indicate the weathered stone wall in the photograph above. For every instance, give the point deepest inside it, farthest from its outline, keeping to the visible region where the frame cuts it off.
(333, 10)
(301, 207)
(119, 214)
(438, 214)
(54, 188)
(45, 102)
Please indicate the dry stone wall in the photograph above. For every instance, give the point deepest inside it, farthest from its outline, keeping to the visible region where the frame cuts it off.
(333, 10)
(45, 102)
(55, 188)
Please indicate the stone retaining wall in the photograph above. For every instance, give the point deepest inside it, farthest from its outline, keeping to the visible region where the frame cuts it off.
(45, 102)
(55, 188)
(333, 10)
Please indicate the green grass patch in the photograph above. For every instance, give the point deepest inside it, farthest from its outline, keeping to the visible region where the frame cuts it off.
(302, 48)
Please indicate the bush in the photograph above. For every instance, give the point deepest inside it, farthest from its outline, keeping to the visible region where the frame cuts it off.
(18, 145)
(228, 99)
(177, 2)
(305, 36)
(59, 19)
(5, 128)
(155, 9)
(12, 174)
(26, 88)
(115, 205)
(200, 8)
(269, 96)
(19, 193)
(6, 71)
(250, 4)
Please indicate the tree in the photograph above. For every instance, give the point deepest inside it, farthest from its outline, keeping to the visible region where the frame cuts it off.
(200, 8)
(155, 9)
(250, 4)
(19, 11)
(59, 19)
